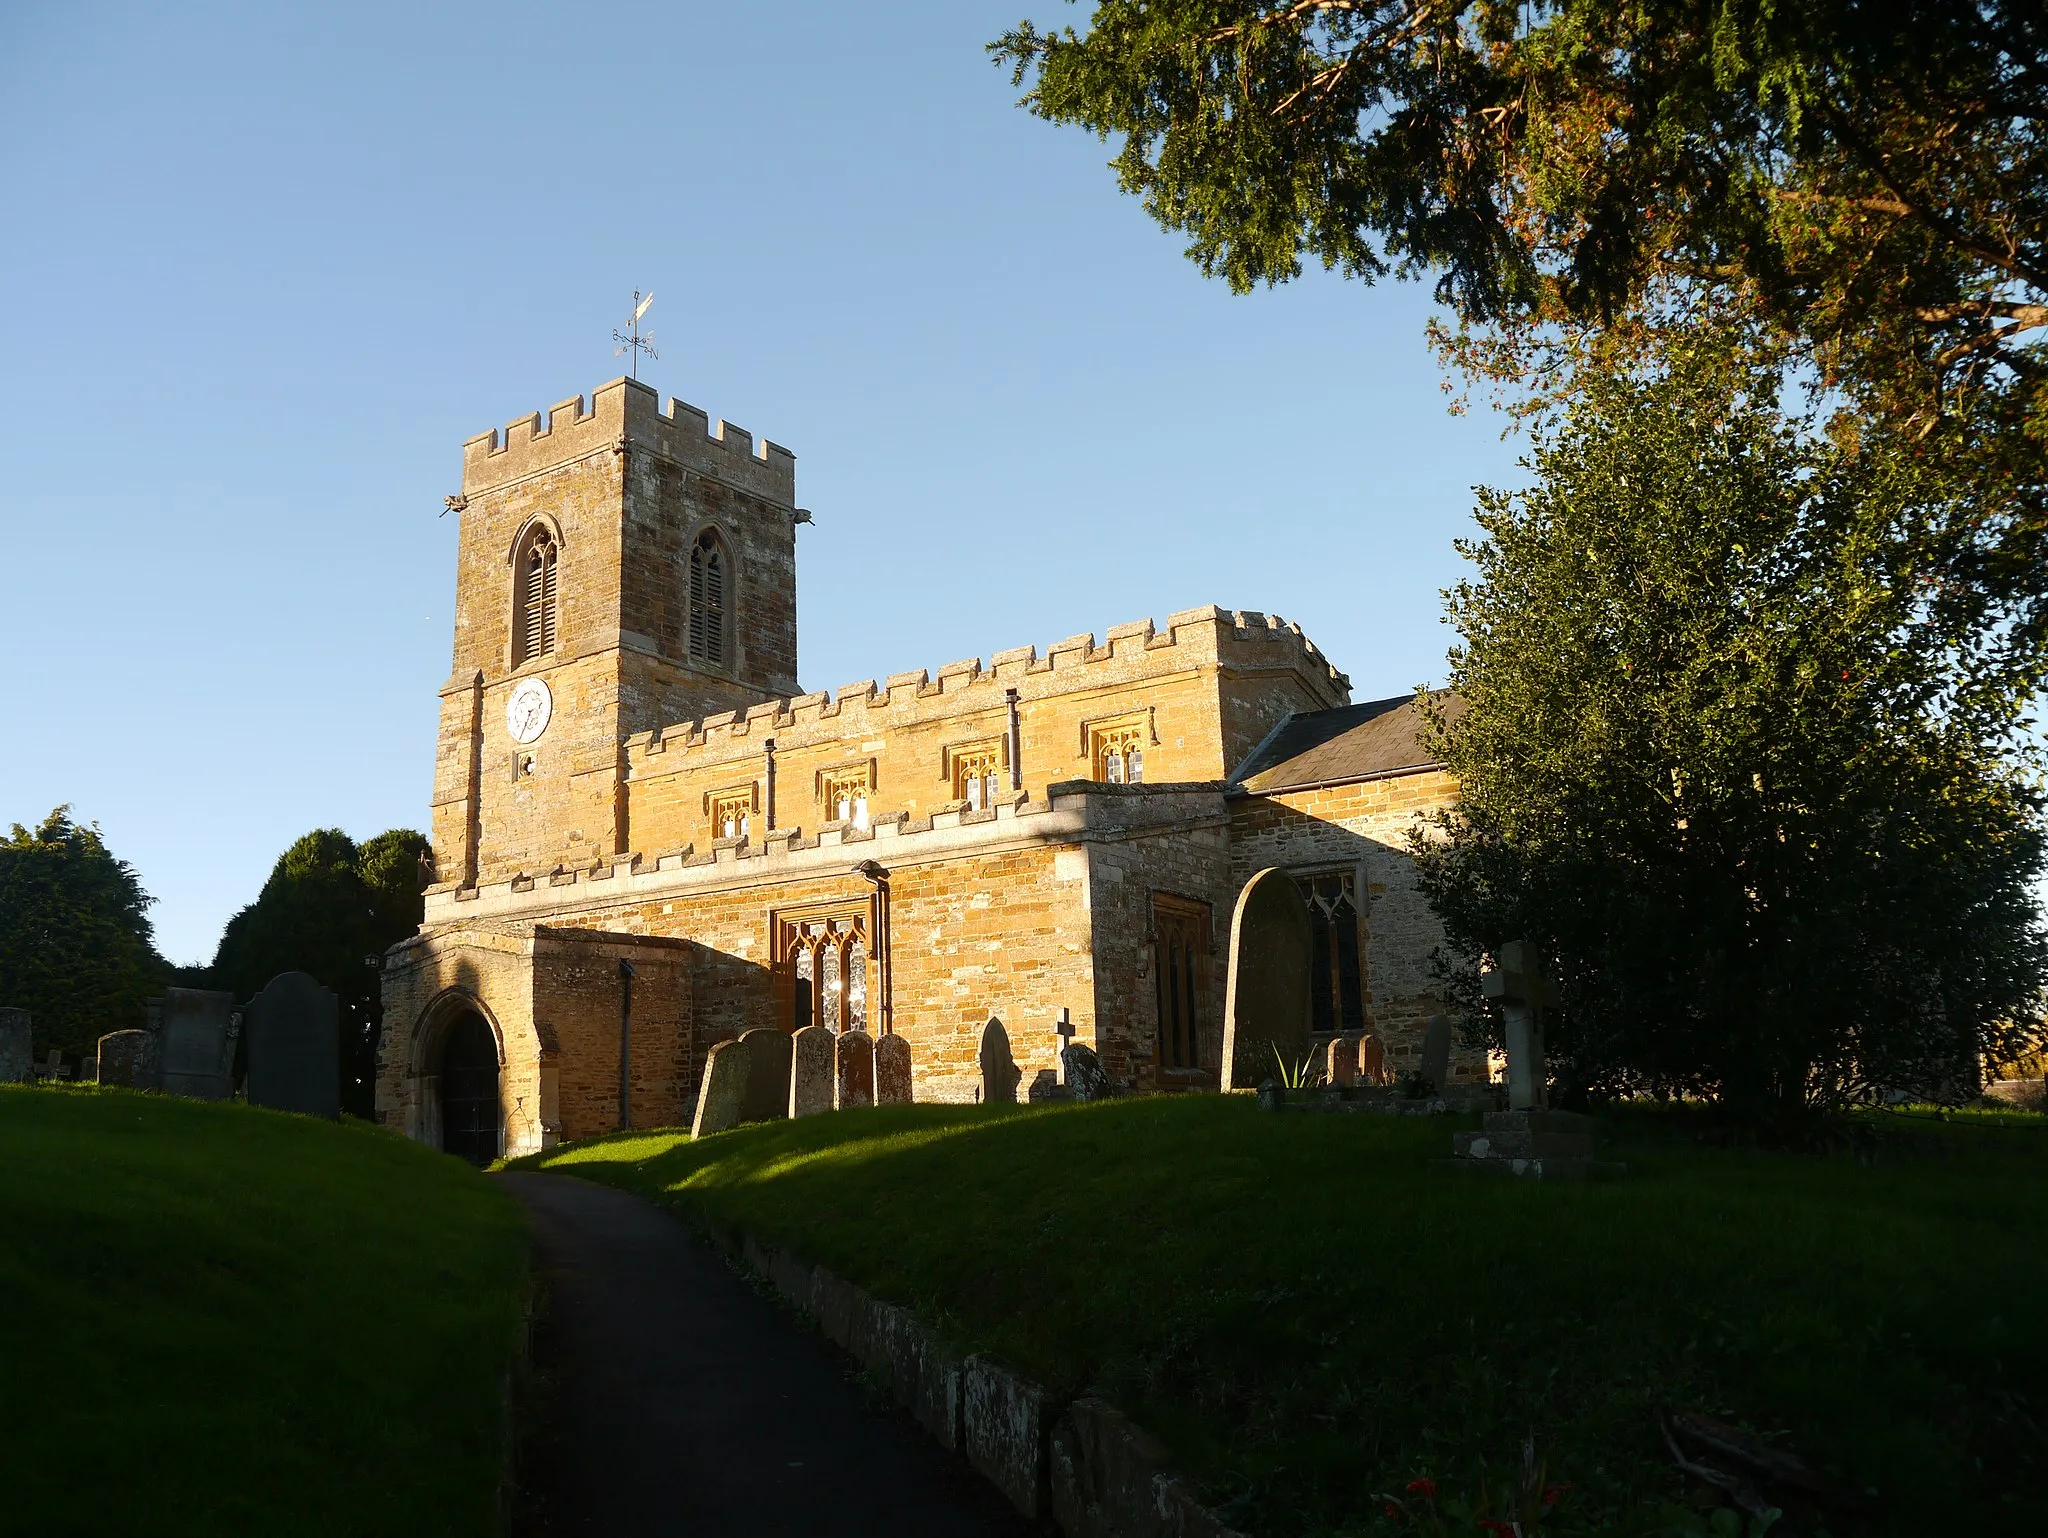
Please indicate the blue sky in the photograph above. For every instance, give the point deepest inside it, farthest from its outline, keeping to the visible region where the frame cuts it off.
(266, 267)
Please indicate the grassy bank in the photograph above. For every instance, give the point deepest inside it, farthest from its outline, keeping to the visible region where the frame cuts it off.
(1312, 1315)
(216, 1320)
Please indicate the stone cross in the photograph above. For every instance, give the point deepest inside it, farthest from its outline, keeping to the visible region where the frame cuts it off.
(1063, 1028)
(1520, 985)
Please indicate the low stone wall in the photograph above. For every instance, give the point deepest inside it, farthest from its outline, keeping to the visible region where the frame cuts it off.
(1082, 1464)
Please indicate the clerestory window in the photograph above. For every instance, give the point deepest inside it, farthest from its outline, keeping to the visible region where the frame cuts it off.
(976, 771)
(1118, 750)
(844, 795)
(534, 627)
(710, 601)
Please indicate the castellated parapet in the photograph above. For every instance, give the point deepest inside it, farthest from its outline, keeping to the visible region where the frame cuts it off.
(630, 411)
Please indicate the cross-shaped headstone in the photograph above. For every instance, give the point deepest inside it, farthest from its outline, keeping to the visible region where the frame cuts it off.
(1518, 983)
(53, 1067)
(1063, 1027)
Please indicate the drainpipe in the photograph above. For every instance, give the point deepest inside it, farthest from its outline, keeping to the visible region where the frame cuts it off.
(1016, 742)
(768, 749)
(626, 976)
(876, 874)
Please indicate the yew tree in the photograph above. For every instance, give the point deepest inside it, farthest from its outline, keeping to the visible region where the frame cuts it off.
(1722, 759)
(1868, 178)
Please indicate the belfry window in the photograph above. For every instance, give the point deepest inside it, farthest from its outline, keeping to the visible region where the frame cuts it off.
(710, 600)
(1336, 975)
(534, 627)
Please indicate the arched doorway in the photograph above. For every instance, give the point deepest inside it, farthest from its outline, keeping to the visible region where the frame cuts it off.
(468, 1089)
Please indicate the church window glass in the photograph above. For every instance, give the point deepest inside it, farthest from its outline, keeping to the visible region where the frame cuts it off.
(823, 955)
(1117, 749)
(976, 775)
(732, 813)
(1336, 969)
(843, 795)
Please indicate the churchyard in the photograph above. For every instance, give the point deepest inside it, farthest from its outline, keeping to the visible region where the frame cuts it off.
(222, 1319)
(1314, 1315)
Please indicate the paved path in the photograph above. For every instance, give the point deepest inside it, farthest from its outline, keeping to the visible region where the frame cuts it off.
(677, 1400)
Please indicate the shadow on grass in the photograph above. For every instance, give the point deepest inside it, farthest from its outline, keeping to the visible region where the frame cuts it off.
(1311, 1312)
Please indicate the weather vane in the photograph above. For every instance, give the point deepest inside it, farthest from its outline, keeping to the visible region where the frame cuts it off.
(630, 340)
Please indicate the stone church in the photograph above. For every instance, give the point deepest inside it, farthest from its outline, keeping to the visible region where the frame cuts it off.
(649, 838)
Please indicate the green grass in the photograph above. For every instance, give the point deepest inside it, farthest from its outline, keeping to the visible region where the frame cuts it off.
(222, 1320)
(1311, 1314)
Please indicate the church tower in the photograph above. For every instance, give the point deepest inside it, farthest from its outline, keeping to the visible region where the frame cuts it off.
(620, 569)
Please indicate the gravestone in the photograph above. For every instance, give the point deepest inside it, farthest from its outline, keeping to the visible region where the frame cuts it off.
(1521, 988)
(892, 1071)
(1436, 1054)
(723, 1094)
(1266, 1002)
(856, 1051)
(1063, 1032)
(294, 1029)
(1086, 1078)
(128, 1059)
(1340, 1065)
(1372, 1060)
(813, 1069)
(196, 1043)
(52, 1067)
(1000, 1074)
(767, 1093)
(15, 1045)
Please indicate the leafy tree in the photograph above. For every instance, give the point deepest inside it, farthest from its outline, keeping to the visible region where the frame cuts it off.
(1871, 180)
(331, 909)
(1719, 760)
(76, 946)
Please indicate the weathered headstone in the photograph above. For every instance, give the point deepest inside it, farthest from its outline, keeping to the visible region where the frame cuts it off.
(813, 1070)
(767, 1097)
(1000, 1074)
(196, 1043)
(294, 1030)
(892, 1071)
(856, 1051)
(1266, 1002)
(1341, 1068)
(1521, 988)
(1372, 1060)
(1085, 1075)
(52, 1067)
(16, 1045)
(1436, 1054)
(128, 1059)
(723, 1094)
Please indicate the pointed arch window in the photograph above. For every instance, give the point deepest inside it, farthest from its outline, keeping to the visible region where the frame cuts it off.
(710, 601)
(533, 630)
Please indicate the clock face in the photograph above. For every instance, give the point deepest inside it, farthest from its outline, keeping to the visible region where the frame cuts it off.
(527, 711)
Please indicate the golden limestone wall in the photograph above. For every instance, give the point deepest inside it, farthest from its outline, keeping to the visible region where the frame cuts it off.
(1365, 822)
(1202, 693)
(1175, 842)
(427, 981)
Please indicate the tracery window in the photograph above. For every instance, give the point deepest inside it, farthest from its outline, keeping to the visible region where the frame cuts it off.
(710, 583)
(731, 812)
(1336, 974)
(1116, 750)
(533, 630)
(1180, 949)
(825, 958)
(977, 768)
(843, 795)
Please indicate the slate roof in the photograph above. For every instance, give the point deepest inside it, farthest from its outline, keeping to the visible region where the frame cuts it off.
(1351, 742)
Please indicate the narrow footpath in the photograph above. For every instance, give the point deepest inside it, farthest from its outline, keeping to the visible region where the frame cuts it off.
(674, 1399)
